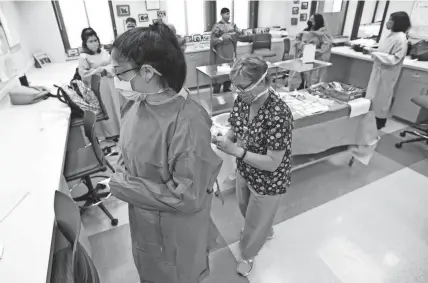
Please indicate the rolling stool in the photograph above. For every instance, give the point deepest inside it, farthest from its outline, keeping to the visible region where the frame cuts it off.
(422, 128)
(83, 163)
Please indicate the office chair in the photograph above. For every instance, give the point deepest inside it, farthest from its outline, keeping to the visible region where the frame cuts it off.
(107, 150)
(422, 128)
(262, 44)
(285, 57)
(83, 163)
(71, 264)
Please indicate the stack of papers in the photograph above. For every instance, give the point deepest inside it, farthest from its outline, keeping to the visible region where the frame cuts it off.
(302, 104)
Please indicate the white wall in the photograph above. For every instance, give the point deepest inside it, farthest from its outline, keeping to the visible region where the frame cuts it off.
(136, 7)
(350, 17)
(40, 29)
(279, 13)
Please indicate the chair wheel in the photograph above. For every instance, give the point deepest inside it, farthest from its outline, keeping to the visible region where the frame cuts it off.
(402, 134)
(398, 145)
(114, 222)
(351, 162)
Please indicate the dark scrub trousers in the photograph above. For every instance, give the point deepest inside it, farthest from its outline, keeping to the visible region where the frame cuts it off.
(259, 192)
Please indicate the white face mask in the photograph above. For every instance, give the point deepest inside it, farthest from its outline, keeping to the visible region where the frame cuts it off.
(125, 87)
(247, 94)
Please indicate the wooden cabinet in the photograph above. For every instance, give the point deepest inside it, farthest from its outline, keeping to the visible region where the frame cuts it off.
(412, 83)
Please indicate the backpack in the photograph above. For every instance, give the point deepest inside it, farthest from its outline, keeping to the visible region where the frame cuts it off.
(79, 98)
(419, 50)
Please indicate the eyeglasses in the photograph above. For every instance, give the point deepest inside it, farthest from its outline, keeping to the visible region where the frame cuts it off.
(126, 71)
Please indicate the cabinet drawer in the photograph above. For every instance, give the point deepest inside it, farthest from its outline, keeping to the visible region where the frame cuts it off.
(415, 76)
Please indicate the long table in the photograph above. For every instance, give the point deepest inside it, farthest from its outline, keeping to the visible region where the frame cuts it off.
(32, 152)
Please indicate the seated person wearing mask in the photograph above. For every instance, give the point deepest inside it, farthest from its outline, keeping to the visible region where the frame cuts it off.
(316, 33)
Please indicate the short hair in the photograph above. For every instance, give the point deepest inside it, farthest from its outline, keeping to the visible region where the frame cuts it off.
(224, 11)
(250, 66)
(157, 46)
(319, 21)
(130, 20)
(85, 35)
(401, 22)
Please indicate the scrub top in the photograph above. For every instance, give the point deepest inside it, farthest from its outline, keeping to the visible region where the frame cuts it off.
(270, 129)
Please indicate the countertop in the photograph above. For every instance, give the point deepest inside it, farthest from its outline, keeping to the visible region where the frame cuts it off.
(205, 46)
(349, 52)
(32, 158)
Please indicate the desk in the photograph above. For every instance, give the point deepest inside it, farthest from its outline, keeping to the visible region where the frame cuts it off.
(32, 150)
(296, 65)
(219, 73)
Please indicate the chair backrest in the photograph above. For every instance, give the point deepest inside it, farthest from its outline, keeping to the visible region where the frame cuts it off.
(262, 41)
(287, 46)
(68, 221)
(96, 88)
(89, 119)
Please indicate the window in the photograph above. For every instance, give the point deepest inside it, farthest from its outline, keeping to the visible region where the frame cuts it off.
(332, 6)
(74, 16)
(186, 15)
(241, 13)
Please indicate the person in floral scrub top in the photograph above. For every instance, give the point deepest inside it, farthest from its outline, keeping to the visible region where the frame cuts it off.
(260, 139)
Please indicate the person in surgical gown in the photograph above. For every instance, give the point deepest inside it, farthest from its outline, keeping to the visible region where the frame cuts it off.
(388, 60)
(167, 167)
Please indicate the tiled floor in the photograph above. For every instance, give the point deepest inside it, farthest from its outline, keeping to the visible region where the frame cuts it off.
(365, 224)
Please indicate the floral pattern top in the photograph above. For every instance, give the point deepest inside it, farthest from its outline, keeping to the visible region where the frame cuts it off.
(270, 129)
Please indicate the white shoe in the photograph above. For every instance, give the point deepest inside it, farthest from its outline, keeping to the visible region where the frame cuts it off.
(245, 267)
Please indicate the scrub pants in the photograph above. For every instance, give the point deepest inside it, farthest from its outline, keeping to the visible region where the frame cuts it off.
(259, 213)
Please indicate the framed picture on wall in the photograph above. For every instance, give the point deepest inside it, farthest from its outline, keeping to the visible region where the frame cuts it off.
(41, 59)
(157, 21)
(143, 17)
(305, 5)
(123, 10)
(303, 17)
(152, 5)
(296, 1)
(294, 21)
(295, 10)
(161, 14)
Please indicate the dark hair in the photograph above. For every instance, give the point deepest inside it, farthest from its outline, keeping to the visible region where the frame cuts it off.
(401, 22)
(131, 20)
(86, 34)
(224, 11)
(157, 46)
(319, 21)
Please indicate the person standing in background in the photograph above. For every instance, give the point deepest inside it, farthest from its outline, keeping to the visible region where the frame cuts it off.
(95, 61)
(224, 37)
(388, 60)
(130, 23)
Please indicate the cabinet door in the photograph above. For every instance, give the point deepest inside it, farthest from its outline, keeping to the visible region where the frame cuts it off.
(194, 60)
(409, 86)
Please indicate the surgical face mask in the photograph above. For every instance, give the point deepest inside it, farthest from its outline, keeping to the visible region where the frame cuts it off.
(389, 24)
(247, 94)
(125, 87)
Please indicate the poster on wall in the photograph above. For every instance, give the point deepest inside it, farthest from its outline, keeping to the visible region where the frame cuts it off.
(305, 5)
(152, 5)
(123, 10)
(294, 21)
(143, 17)
(295, 10)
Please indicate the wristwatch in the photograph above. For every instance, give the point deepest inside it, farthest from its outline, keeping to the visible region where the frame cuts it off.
(243, 155)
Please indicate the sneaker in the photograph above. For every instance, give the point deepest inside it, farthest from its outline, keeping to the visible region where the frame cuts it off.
(245, 267)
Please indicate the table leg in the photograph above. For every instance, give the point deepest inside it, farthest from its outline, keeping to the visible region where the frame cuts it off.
(211, 97)
(197, 82)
